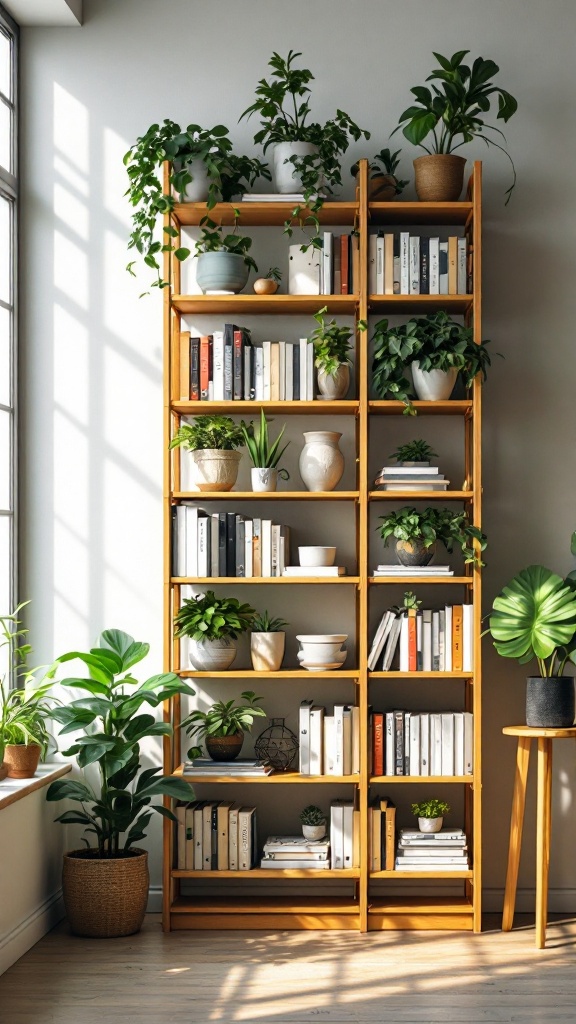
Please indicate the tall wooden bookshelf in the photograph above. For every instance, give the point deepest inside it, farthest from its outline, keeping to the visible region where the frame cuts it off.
(374, 901)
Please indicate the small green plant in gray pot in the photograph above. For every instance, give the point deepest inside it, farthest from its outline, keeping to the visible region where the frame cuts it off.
(213, 625)
(415, 533)
(224, 261)
(430, 814)
(213, 441)
(313, 822)
(222, 727)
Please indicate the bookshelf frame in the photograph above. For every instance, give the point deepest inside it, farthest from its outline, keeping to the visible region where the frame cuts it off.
(365, 909)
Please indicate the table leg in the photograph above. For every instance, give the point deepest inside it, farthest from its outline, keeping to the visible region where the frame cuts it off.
(543, 826)
(516, 823)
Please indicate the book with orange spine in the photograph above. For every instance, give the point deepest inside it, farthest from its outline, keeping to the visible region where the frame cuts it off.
(204, 366)
(378, 742)
(412, 640)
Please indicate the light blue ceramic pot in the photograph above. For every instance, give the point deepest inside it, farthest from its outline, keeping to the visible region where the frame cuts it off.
(221, 272)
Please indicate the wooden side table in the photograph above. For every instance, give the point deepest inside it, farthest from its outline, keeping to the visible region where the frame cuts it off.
(525, 736)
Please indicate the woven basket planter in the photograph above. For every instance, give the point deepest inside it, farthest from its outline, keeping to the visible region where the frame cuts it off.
(439, 177)
(104, 898)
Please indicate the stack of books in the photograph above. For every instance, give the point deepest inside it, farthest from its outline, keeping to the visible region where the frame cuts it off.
(427, 641)
(404, 264)
(412, 570)
(293, 852)
(273, 197)
(215, 835)
(432, 851)
(418, 477)
(421, 743)
(329, 744)
(226, 544)
(314, 570)
(239, 767)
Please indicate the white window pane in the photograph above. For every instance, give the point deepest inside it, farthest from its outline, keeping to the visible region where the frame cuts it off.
(5, 563)
(5, 66)
(5, 249)
(5, 395)
(5, 136)
(5, 418)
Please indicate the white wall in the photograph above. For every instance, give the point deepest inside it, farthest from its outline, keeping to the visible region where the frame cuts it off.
(91, 366)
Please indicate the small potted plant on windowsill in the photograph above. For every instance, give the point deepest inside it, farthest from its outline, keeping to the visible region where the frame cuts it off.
(450, 115)
(383, 185)
(269, 284)
(24, 709)
(213, 625)
(267, 642)
(430, 814)
(224, 263)
(416, 532)
(265, 455)
(313, 822)
(213, 441)
(222, 727)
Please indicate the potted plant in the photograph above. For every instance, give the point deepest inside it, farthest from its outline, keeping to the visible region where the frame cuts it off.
(313, 823)
(430, 814)
(414, 453)
(213, 441)
(224, 262)
(436, 348)
(203, 168)
(449, 115)
(269, 284)
(24, 709)
(265, 455)
(305, 154)
(383, 185)
(267, 643)
(535, 618)
(106, 884)
(222, 727)
(213, 625)
(331, 356)
(416, 533)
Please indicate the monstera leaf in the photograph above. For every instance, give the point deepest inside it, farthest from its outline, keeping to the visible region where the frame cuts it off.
(534, 615)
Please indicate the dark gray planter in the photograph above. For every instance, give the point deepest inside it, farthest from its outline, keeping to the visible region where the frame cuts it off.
(413, 552)
(550, 702)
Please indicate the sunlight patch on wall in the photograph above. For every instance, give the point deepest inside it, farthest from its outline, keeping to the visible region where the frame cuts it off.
(71, 126)
(71, 270)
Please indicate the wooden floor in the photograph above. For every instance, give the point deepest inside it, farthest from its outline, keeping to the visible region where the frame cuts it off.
(296, 977)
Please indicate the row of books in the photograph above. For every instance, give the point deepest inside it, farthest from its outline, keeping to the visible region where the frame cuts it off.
(446, 850)
(411, 478)
(427, 641)
(225, 366)
(215, 835)
(421, 743)
(381, 834)
(405, 264)
(226, 544)
(329, 743)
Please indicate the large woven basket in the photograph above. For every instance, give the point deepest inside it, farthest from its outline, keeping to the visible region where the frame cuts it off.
(439, 177)
(105, 898)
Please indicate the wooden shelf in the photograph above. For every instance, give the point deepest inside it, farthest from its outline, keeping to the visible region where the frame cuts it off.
(419, 675)
(419, 213)
(264, 214)
(422, 912)
(282, 778)
(285, 673)
(467, 581)
(231, 581)
(419, 874)
(264, 904)
(420, 495)
(456, 407)
(339, 408)
(265, 495)
(435, 779)
(270, 874)
(237, 306)
(419, 304)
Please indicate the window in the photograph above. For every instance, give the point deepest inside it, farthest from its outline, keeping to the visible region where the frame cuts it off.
(8, 310)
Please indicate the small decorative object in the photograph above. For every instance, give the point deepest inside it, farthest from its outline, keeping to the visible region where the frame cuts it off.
(449, 114)
(430, 814)
(416, 532)
(277, 745)
(383, 185)
(414, 453)
(331, 359)
(321, 461)
(213, 625)
(268, 285)
(535, 617)
(264, 455)
(316, 555)
(222, 727)
(414, 471)
(313, 823)
(23, 709)
(321, 652)
(224, 262)
(267, 643)
(212, 441)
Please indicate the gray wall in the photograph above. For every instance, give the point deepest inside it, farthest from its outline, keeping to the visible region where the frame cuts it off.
(91, 349)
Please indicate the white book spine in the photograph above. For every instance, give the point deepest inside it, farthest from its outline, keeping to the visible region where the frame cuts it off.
(462, 289)
(233, 839)
(372, 243)
(259, 372)
(435, 744)
(404, 656)
(448, 638)
(467, 636)
(275, 550)
(441, 640)
(419, 657)
(316, 740)
(447, 743)
(289, 374)
(443, 268)
(348, 835)
(249, 547)
(379, 265)
(414, 762)
(266, 547)
(355, 711)
(338, 739)
(218, 365)
(266, 371)
(191, 540)
(435, 642)
(181, 546)
(434, 266)
(327, 263)
(389, 763)
(468, 742)
(427, 640)
(282, 370)
(245, 838)
(414, 265)
(425, 743)
(379, 638)
(347, 742)
(407, 720)
(303, 369)
(329, 746)
(336, 837)
(304, 748)
(404, 263)
(214, 541)
(458, 743)
(310, 371)
(203, 546)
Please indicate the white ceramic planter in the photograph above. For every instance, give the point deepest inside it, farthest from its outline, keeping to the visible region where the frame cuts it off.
(216, 470)
(267, 651)
(316, 555)
(197, 190)
(430, 824)
(433, 385)
(321, 461)
(212, 655)
(334, 386)
(264, 479)
(286, 177)
(221, 273)
(314, 832)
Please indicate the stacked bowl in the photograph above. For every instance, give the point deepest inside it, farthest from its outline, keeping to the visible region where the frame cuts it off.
(321, 651)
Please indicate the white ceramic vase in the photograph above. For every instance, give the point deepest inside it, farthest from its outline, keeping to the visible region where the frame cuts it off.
(433, 385)
(264, 479)
(267, 651)
(321, 461)
(430, 824)
(313, 832)
(212, 655)
(216, 470)
(286, 177)
(333, 386)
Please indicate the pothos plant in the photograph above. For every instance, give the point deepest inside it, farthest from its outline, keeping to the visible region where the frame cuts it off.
(213, 239)
(426, 526)
(331, 342)
(283, 105)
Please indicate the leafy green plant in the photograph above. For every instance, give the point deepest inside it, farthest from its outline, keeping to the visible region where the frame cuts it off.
(265, 624)
(452, 112)
(312, 815)
(228, 175)
(213, 239)
(414, 451)
(331, 343)
(225, 718)
(274, 274)
(283, 106)
(432, 524)
(385, 163)
(24, 708)
(436, 341)
(218, 432)
(111, 727)
(264, 454)
(431, 808)
(207, 617)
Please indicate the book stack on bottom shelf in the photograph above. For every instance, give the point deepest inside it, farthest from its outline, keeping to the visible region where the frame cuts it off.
(432, 851)
(296, 852)
(215, 835)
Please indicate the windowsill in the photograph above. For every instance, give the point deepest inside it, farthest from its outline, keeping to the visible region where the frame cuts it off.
(12, 790)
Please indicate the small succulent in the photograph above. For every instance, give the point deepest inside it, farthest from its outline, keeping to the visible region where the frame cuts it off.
(312, 815)
(414, 451)
(264, 624)
(430, 809)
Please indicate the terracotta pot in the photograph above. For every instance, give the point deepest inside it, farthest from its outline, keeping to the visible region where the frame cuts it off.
(224, 748)
(3, 770)
(382, 188)
(216, 470)
(267, 650)
(105, 898)
(439, 177)
(265, 286)
(21, 760)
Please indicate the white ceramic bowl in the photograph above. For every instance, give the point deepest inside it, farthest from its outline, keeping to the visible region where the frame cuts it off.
(316, 555)
(320, 652)
(322, 638)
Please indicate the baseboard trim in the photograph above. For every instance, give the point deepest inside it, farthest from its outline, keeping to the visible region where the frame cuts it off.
(154, 900)
(28, 932)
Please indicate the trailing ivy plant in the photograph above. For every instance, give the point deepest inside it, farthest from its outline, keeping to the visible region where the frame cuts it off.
(426, 526)
(220, 432)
